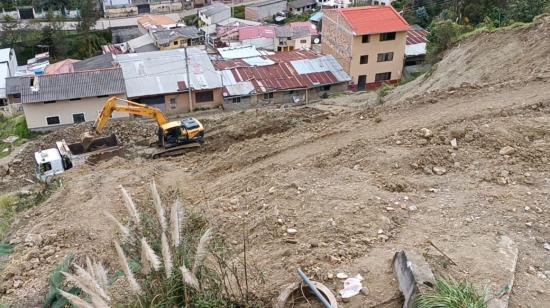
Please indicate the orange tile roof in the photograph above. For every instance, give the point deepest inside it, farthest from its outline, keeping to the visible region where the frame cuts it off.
(155, 20)
(374, 19)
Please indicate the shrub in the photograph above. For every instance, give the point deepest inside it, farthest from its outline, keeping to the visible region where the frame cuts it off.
(452, 294)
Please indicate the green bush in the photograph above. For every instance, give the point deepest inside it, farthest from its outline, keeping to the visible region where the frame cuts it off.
(7, 213)
(238, 11)
(452, 294)
(443, 34)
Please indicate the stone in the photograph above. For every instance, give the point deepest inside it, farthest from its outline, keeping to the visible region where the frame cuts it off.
(426, 133)
(390, 209)
(547, 246)
(454, 143)
(383, 237)
(233, 201)
(413, 208)
(280, 221)
(342, 275)
(413, 274)
(380, 231)
(33, 239)
(330, 275)
(291, 240)
(529, 224)
(17, 283)
(439, 170)
(526, 208)
(272, 190)
(291, 231)
(502, 181)
(507, 150)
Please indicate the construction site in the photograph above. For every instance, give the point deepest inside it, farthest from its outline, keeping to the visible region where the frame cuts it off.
(454, 166)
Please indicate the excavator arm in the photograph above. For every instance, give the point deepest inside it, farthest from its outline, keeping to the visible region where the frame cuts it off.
(111, 105)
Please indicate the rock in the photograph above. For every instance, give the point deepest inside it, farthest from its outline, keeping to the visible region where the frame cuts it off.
(390, 209)
(507, 150)
(272, 190)
(17, 283)
(529, 224)
(365, 291)
(426, 133)
(380, 231)
(439, 170)
(233, 201)
(330, 275)
(291, 240)
(383, 237)
(342, 275)
(413, 208)
(454, 143)
(280, 221)
(547, 246)
(501, 181)
(33, 239)
(413, 274)
(427, 171)
(291, 231)
(526, 208)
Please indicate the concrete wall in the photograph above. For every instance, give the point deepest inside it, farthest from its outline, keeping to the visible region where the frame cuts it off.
(36, 113)
(339, 41)
(182, 102)
(372, 49)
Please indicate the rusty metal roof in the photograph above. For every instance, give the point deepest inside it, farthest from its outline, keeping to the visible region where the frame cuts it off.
(288, 72)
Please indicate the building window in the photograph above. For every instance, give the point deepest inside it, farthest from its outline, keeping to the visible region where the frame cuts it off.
(78, 118)
(326, 88)
(204, 96)
(364, 59)
(52, 120)
(49, 102)
(365, 38)
(176, 43)
(385, 57)
(173, 103)
(390, 36)
(17, 95)
(268, 95)
(303, 41)
(101, 96)
(75, 99)
(236, 100)
(382, 77)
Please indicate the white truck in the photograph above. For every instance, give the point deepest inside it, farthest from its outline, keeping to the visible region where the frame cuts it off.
(64, 156)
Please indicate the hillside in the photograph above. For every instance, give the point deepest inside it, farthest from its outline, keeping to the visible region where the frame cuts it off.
(357, 182)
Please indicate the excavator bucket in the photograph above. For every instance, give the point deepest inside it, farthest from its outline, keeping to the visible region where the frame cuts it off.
(86, 139)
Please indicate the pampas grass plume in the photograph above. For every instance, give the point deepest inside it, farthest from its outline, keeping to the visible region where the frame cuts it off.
(202, 250)
(166, 255)
(130, 205)
(129, 275)
(148, 258)
(157, 203)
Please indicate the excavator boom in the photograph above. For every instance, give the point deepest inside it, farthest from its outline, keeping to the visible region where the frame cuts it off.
(111, 105)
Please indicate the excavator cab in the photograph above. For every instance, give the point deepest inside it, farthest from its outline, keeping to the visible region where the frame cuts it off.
(177, 133)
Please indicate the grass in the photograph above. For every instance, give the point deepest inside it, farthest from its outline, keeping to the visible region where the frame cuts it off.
(14, 126)
(11, 205)
(53, 298)
(163, 262)
(8, 205)
(452, 294)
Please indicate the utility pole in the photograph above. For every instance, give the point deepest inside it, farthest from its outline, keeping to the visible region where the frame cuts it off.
(188, 80)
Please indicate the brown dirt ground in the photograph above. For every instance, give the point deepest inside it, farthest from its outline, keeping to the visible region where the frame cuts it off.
(353, 179)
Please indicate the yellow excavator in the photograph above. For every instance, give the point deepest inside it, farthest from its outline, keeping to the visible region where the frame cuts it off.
(173, 137)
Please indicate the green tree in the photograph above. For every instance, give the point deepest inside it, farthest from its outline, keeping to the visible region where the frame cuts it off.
(443, 34)
(526, 10)
(89, 42)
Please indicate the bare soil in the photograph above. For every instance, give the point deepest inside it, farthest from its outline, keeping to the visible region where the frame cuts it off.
(358, 183)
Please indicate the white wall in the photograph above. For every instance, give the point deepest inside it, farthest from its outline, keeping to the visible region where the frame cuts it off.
(36, 113)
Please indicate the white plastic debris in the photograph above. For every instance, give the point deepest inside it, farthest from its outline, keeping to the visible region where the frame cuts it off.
(352, 286)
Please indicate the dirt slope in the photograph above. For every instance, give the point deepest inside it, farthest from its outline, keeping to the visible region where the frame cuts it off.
(519, 54)
(357, 182)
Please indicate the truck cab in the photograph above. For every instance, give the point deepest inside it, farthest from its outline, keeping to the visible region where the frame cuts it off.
(49, 163)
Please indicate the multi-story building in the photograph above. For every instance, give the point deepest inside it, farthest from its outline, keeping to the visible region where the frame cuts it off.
(369, 42)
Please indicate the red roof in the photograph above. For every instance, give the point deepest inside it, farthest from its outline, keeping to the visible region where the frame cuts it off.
(304, 25)
(374, 19)
(250, 32)
(417, 35)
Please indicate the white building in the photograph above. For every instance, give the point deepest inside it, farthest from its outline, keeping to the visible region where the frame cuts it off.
(8, 66)
(214, 14)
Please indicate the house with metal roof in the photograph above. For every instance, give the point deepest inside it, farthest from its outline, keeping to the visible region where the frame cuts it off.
(297, 35)
(177, 38)
(155, 22)
(53, 101)
(293, 77)
(299, 7)
(369, 42)
(164, 79)
(213, 14)
(264, 10)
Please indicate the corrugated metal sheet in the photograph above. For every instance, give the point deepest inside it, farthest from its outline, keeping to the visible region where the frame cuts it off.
(68, 86)
(244, 88)
(321, 64)
(158, 72)
(417, 35)
(415, 50)
(238, 52)
(258, 61)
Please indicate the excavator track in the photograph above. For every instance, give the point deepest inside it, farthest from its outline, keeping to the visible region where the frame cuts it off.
(175, 150)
